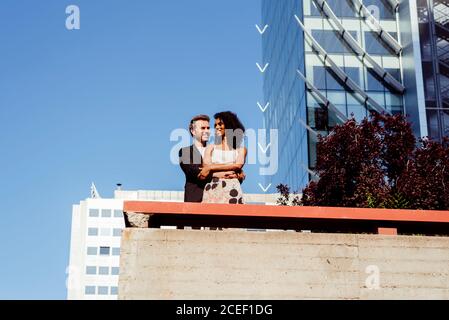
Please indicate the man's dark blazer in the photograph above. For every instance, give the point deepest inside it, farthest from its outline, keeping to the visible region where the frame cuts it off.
(190, 160)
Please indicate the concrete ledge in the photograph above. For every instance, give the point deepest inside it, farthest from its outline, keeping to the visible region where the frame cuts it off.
(235, 264)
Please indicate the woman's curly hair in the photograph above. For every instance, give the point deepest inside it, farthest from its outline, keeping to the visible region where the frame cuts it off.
(234, 129)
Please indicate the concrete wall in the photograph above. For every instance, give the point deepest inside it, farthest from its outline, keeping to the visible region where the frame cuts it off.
(234, 264)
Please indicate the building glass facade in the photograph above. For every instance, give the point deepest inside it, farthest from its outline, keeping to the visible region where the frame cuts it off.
(283, 48)
(330, 58)
(434, 37)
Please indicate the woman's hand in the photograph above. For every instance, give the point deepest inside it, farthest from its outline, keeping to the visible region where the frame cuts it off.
(204, 173)
(225, 175)
(220, 175)
(241, 176)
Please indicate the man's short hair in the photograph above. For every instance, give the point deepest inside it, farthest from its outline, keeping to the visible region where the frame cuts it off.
(195, 119)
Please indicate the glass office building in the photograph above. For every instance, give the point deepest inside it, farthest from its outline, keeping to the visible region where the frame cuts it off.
(332, 60)
(434, 37)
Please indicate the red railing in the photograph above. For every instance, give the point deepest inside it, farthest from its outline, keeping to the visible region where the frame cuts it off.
(316, 219)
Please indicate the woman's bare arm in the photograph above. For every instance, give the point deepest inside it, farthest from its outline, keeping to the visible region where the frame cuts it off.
(237, 166)
(209, 168)
(207, 159)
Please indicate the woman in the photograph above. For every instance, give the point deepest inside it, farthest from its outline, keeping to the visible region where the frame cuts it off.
(225, 159)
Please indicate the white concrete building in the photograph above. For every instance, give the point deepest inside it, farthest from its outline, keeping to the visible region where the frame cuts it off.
(95, 240)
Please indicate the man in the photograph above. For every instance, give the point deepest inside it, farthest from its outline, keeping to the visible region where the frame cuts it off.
(190, 160)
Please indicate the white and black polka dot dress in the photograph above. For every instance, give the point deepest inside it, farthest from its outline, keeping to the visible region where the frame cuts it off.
(223, 191)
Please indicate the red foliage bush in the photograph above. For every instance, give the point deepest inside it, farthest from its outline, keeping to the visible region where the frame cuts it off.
(377, 163)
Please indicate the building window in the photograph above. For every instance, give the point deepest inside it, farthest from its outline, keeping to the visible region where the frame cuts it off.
(114, 291)
(375, 46)
(89, 290)
(433, 123)
(104, 251)
(314, 11)
(102, 290)
(325, 78)
(118, 214)
(106, 213)
(91, 270)
(92, 232)
(358, 111)
(94, 213)
(103, 270)
(91, 251)
(373, 82)
(319, 77)
(393, 102)
(105, 232)
(341, 9)
(115, 271)
(333, 82)
(332, 42)
(396, 73)
(321, 119)
(354, 74)
(445, 118)
(380, 9)
(117, 232)
(115, 251)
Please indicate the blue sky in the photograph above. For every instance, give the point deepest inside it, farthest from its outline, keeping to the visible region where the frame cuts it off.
(98, 104)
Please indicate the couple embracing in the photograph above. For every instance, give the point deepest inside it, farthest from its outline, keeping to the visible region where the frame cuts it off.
(214, 172)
